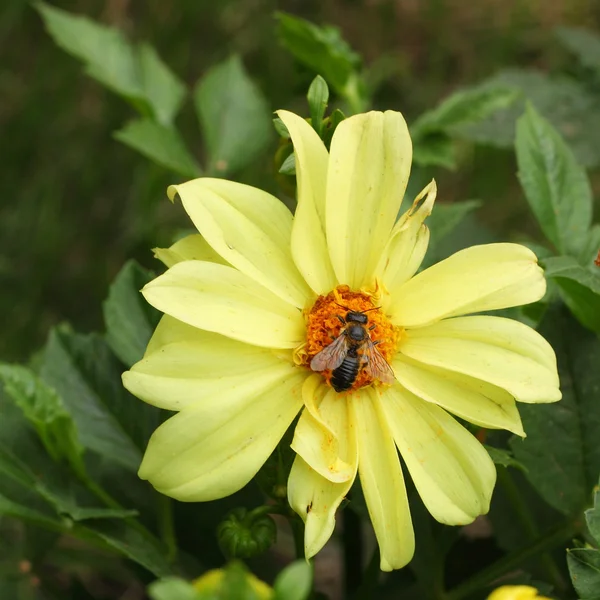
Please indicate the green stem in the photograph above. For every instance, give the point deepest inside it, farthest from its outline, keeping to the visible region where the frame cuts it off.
(552, 538)
(166, 526)
(529, 525)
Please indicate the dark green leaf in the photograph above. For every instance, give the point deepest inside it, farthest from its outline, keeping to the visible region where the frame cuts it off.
(579, 287)
(462, 108)
(330, 124)
(137, 73)
(322, 49)
(504, 458)
(556, 186)
(294, 582)
(109, 420)
(172, 588)
(129, 319)
(163, 145)
(318, 97)
(561, 450)
(280, 128)
(445, 217)
(45, 410)
(585, 44)
(584, 566)
(434, 150)
(592, 517)
(568, 105)
(234, 116)
(288, 166)
(591, 248)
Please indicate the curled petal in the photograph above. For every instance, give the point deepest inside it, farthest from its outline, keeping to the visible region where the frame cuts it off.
(452, 471)
(220, 299)
(476, 279)
(309, 245)
(249, 228)
(408, 243)
(381, 480)
(369, 165)
(213, 449)
(191, 247)
(501, 351)
(322, 434)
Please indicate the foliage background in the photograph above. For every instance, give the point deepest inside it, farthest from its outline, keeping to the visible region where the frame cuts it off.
(75, 204)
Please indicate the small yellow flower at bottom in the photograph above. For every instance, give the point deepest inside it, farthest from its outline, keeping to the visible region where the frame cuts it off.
(212, 581)
(516, 592)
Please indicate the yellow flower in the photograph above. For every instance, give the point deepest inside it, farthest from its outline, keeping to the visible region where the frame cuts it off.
(259, 294)
(212, 581)
(516, 592)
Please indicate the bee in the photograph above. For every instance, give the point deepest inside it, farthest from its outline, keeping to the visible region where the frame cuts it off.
(352, 350)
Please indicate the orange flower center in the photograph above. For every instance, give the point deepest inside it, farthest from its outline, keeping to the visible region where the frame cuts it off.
(338, 314)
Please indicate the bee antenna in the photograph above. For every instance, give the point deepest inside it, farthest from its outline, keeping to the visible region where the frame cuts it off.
(370, 309)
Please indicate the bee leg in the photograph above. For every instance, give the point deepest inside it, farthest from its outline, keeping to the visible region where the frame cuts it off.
(342, 320)
(376, 342)
(372, 327)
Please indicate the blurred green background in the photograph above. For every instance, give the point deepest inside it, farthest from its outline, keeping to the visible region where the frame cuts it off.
(75, 203)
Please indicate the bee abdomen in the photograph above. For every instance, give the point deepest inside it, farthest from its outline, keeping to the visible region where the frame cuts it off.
(344, 376)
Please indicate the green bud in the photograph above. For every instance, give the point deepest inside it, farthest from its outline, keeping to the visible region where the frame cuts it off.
(244, 534)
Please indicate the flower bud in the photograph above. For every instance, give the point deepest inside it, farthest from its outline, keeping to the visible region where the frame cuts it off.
(246, 534)
(516, 592)
(235, 579)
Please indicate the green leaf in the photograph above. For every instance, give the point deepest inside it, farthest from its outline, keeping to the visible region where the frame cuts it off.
(592, 517)
(462, 108)
(570, 106)
(445, 217)
(434, 150)
(584, 567)
(163, 90)
(288, 167)
(561, 450)
(172, 588)
(129, 319)
(137, 73)
(556, 186)
(322, 49)
(579, 288)
(234, 116)
(504, 458)
(318, 97)
(585, 44)
(591, 248)
(109, 420)
(45, 410)
(294, 582)
(163, 145)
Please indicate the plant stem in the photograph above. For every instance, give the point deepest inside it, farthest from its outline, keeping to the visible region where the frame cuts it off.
(166, 526)
(529, 525)
(552, 538)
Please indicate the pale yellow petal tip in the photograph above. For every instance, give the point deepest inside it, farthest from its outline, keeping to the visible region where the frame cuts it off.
(516, 592)
(172, 192)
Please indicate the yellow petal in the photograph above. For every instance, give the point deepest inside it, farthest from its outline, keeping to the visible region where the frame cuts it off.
(309, 245)
(321, 435)
(476, 279)
(189, 372)
(472, 399)
(381, 480)
(249, 228)
(501, 351)
(369, 165)
(170, 330)
(452, 472)
(516, 592)
(223, 300)
(191, 247)
(408, 243)
(316, 498)
(214, 449)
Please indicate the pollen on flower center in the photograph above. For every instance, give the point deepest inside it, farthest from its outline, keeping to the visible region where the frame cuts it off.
(327, 320)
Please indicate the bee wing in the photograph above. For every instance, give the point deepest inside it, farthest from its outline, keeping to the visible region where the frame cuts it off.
(332, 356)
(376, 366)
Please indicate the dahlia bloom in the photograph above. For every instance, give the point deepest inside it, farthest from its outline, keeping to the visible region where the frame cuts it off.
(516, 592)
(252, 299)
